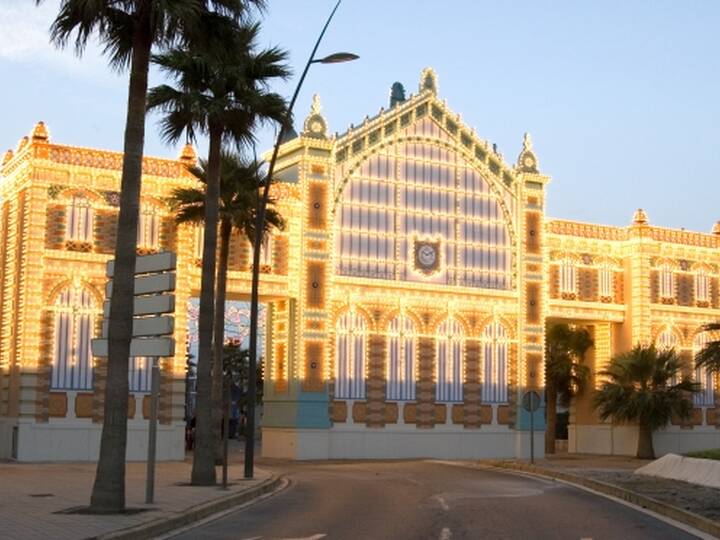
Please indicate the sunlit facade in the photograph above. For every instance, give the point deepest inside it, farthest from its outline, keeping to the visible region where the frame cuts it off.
(407, 298)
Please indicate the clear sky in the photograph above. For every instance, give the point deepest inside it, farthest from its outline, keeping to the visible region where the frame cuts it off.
(621, 98)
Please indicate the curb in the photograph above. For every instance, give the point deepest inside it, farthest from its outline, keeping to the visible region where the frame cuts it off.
(190, 515)
(673, 512)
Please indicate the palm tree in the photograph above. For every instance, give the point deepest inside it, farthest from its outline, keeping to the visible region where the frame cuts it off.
(709, 355)
(565, 374)
(639, 388)
(128, 30)
(225, 97)
(239, 195)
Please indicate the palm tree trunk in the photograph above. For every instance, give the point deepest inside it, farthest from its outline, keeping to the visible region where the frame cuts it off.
(218, 392)
(108, 494)
(551, 413)
(645, 448)
(203, 469)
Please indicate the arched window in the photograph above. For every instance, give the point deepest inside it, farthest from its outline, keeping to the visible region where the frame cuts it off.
(266, 251)
(402, 351)
(350, 345)
(79, 223)
(419, 211)
(667, 281)
(606, 280)
(666, 340)
(702, 286)
(72, 359)
(706, 396)
(449, 375)
(148, 232)
(140, 374)
(199, 233)
(495, 364)
(568, 277)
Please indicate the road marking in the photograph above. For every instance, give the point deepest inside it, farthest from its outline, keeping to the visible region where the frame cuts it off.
(443, 504)
(313, 537)
(445, 534)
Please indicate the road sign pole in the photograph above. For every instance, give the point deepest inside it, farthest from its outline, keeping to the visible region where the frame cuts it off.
(532, 434)
(152, 431)
(226, 430)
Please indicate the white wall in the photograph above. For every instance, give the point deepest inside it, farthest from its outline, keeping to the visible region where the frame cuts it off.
(355, 442)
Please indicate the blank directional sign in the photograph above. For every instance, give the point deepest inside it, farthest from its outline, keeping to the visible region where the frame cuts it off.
(147, 305)
(150, 284)
(149, 264)
(149, 326)
(161, 346)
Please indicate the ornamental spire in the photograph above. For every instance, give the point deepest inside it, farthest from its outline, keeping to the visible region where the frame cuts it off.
(640, 217)
(315, 124)
(527, 161)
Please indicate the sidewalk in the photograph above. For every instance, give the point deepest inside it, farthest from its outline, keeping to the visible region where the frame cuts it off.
(32, 494)
(695, 505)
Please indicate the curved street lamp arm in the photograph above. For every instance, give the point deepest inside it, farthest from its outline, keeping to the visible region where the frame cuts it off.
(254, 296)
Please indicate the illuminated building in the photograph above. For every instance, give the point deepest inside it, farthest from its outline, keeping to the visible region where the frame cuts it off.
(406, 299)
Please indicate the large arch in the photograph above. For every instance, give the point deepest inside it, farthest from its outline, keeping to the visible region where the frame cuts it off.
(418, 192)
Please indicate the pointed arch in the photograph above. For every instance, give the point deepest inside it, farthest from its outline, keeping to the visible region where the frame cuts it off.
(668, 337)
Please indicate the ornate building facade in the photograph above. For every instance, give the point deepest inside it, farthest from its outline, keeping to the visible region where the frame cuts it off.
(407, 298)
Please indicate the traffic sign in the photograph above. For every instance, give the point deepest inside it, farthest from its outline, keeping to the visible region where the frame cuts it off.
(150, 284)
(148, 326)
(531, 401)
(148, 305)
(148, 264)
(158, 346)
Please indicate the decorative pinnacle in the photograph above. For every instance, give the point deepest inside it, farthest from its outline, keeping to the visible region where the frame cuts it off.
(527, 142)
(716, 228)
(40, 132)
(188, 155)
(22, 143)
(7, 157)
(315, 107)
(640, 217)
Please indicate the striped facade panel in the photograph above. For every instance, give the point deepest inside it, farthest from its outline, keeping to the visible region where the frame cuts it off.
(350, 356)
(449, 374)
(140, 374)
(495, 364)
(80, 220)
(72, 359)
(706, 396)
(402, 364)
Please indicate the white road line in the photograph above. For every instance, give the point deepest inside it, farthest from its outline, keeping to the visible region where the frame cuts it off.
(445, 534)
(443, 504)
(313, 537)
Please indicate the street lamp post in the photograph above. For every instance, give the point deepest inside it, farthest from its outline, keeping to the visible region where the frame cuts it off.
(259, 230)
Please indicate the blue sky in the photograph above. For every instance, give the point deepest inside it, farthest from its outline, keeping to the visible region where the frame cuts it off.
(621, 98)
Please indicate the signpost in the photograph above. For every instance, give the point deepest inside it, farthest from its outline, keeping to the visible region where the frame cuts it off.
(153, 327)
(531, 403)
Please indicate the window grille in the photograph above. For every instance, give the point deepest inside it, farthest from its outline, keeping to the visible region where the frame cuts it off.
(72, 359)
(706, 396)
(350, 351)
(568, 277)
(606, 281)
(449, 376)
(140, 374)
(495, 364)
(148, 232)
(79, 220)
(667, 281)
(402, 352)
(702, 286)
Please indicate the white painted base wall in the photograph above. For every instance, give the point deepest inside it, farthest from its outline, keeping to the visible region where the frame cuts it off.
(622, 440)
(79, 440)
(398, 443)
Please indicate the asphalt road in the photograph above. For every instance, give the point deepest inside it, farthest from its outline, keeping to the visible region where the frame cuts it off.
(429, 500)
